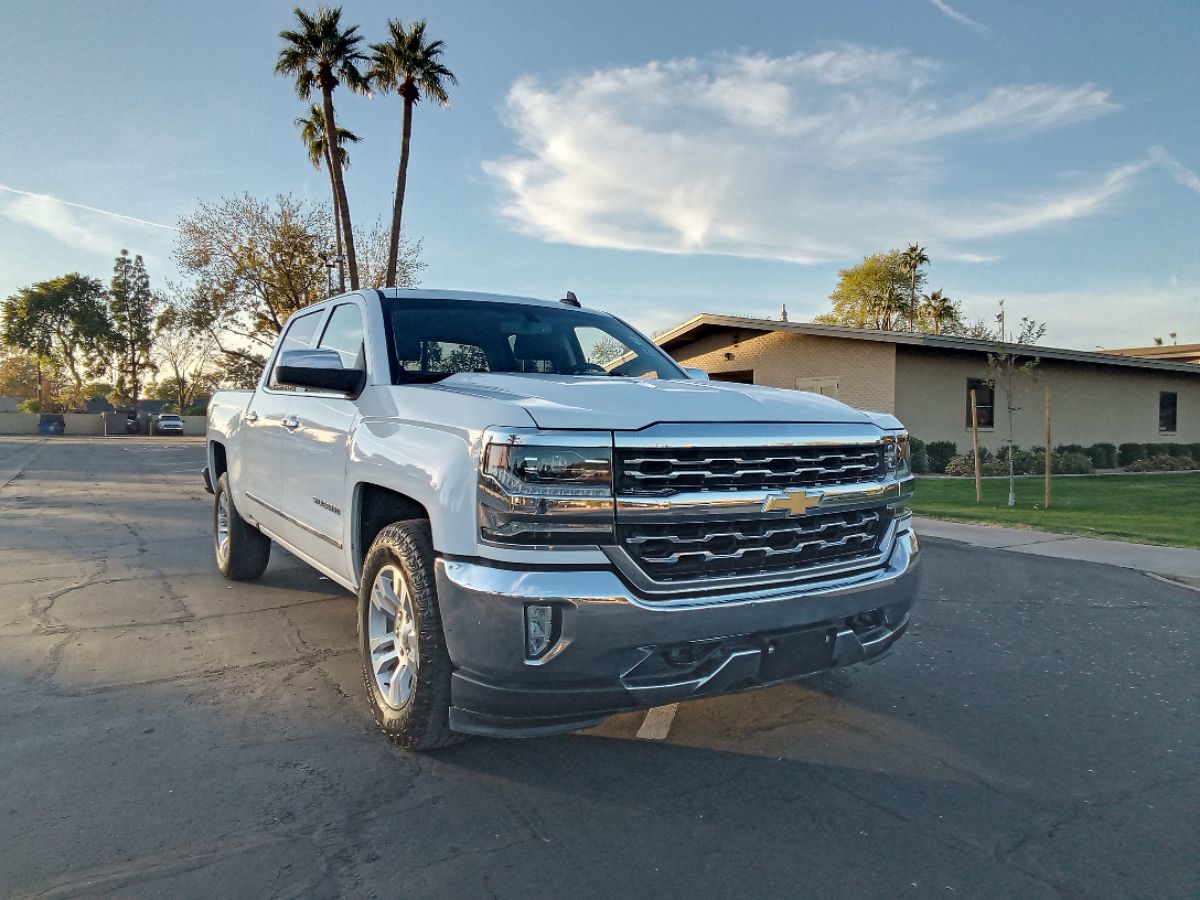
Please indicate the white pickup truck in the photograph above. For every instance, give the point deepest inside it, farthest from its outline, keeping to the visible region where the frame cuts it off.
(547, 521)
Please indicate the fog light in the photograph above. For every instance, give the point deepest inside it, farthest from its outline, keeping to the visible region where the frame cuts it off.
(539, 628)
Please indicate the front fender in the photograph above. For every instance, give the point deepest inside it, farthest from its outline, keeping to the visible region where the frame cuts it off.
(433, 466)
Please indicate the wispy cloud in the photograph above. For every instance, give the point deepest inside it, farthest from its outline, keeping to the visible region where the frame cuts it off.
(950, 12)
(44, 199)
(60, 223)
(807, 158)
(1177, 170)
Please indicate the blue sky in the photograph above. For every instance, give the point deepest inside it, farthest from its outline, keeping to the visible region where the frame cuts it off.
(659, 159)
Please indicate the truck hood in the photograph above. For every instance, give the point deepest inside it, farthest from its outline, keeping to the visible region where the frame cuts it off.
(628, 404)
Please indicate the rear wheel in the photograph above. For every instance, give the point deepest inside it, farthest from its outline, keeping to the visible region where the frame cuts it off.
(405, 666)
(242, 550)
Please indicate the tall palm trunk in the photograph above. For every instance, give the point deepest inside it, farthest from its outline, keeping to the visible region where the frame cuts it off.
(337, 222)
(912, 301)
(339, 187)
(398, 205)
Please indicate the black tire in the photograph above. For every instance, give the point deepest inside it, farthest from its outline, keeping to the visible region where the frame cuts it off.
(421, 721)
(249, 550)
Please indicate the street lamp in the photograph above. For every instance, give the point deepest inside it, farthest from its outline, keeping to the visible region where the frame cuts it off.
(330, 263)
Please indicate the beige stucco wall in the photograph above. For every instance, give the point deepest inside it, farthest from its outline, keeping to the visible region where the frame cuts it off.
(27, 423)
(1090, 403)
(18, 423)
(865, 371)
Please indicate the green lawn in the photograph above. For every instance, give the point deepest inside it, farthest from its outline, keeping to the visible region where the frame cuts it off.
(1149, 509)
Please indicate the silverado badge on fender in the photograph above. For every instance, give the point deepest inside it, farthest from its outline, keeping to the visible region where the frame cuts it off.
(794, 503)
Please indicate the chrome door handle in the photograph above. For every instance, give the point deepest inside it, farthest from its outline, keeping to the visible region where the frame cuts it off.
(251, 416)
(290, 422)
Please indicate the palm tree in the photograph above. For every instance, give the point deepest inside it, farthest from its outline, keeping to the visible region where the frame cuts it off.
(408, 65)
(312, 133)
(940, 310)
(911, 261)
(321, 54)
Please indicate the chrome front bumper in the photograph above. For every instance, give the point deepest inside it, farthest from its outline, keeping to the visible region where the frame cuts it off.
(618, 650)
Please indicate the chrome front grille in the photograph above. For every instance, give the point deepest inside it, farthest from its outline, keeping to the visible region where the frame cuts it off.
(676, 551)
(662, 472)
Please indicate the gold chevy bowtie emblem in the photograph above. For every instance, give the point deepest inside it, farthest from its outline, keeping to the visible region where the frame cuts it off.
(794, 503)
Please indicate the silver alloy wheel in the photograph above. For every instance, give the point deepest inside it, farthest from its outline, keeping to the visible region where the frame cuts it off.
(222, 533)
(392, 637)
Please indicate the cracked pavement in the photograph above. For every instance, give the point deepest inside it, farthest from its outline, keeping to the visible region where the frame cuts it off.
(164, 732)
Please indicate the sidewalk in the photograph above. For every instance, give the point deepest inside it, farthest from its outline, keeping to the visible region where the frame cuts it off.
(1175, 563)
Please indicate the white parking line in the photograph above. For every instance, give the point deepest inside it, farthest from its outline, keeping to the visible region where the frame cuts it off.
(658, 723)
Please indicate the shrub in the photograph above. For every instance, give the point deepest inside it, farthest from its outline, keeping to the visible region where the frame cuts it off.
(1195, 454)
(919, 460)
(1025, 462)
(1179, 450)
(1162, 463)
(1070, 448)
(940, 453)
(1071, 464)
(1103, 456)
(1130, 453)
(1156, 450)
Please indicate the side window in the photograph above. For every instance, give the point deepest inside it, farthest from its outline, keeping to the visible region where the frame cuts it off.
(299, 336)
(985, 402)
(1168, 405)
(344, 333)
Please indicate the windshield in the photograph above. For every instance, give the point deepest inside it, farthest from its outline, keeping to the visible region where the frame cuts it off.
(434, 339)
(168, 418)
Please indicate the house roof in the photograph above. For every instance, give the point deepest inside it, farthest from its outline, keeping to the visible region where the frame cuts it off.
(707, 324)
(1185, 352)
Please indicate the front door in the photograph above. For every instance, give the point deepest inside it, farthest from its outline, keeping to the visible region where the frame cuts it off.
(314, 495)
(263, 435)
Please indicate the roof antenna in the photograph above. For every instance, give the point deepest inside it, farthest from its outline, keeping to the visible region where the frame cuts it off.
(570, 300)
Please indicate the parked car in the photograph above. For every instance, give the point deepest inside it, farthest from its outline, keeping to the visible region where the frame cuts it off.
(52, 423)
(547, 521)
(168, 423)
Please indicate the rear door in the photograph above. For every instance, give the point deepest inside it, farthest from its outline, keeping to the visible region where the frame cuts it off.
(318, 446)
(263, 435)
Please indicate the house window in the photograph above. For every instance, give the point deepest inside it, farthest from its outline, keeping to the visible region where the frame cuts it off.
(985, 402)
(1167, 405)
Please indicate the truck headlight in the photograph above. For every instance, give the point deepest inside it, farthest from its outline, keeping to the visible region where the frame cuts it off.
(535, 490)
(897, 456)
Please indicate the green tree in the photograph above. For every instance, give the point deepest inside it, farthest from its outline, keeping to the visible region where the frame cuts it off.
(940, 314)
(869, 295)
(132, 307)
(252, 264)
(408, 63)
(19, 374)
(911, 262)
(63, 323)
(322, 54)
(312, 133)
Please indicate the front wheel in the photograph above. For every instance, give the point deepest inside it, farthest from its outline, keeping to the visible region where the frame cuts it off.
(242, 550)
(405, 665)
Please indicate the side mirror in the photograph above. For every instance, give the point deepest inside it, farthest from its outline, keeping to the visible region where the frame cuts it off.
(319, 369)
(696, 374)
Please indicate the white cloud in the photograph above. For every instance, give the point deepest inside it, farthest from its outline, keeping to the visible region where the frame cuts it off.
(1177, 170)
(59, 222)
(807, 158)
(947, 10)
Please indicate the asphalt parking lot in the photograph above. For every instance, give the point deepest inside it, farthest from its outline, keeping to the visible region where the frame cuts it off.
(164, 732)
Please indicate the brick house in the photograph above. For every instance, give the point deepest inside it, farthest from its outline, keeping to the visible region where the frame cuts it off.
(925, 380)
